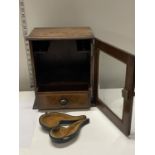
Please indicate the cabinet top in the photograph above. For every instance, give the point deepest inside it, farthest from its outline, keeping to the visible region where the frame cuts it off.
(61, 33)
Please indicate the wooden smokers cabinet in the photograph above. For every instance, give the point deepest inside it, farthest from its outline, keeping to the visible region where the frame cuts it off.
(66, 70)
(62, 67)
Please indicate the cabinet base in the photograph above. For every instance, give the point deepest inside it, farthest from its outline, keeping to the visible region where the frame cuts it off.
(35, 105)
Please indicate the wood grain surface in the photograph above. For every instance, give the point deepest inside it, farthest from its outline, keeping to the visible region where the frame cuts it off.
(61, 33)
(52, 100)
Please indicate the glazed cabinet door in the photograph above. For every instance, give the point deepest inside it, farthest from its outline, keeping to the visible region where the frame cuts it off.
(114, 84)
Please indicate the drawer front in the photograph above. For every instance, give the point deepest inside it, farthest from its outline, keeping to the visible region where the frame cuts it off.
(63, 100)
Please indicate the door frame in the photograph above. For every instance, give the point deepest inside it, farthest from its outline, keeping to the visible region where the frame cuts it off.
(123, 124)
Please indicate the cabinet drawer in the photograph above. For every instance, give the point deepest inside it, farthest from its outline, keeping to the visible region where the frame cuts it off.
(63, 100)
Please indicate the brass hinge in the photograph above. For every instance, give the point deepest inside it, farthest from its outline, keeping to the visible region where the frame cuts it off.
(127, 94)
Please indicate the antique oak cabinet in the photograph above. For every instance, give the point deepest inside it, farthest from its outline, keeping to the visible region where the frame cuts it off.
(65, 64)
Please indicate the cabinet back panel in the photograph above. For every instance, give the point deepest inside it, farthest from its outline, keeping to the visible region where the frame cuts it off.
(62, 61)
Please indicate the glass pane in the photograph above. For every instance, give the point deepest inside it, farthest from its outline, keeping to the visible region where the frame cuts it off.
(111, 82)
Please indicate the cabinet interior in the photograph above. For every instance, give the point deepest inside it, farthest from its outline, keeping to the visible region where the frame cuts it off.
(62, 64)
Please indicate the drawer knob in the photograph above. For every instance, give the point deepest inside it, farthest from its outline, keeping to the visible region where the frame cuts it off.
(63, 101)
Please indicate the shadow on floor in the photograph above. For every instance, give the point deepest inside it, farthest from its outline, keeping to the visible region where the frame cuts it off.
(62, 145)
